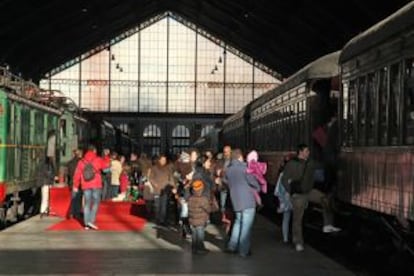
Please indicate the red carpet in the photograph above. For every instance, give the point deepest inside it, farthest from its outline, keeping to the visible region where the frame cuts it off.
(112, 216)
(59, 200)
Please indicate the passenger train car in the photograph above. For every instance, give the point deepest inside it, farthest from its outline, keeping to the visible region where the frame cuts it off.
(377, 108)
(28, 116)
(211, 141)
(124, 144)
(237, 129)
(368, 152)
(276, 122)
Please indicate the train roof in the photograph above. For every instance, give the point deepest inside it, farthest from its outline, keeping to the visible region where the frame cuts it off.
(324, 67)
(236, 115)
(393, 25)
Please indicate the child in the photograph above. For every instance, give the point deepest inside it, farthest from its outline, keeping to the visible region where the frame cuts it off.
(199, 210)
(285, 205)
(257, 169)
(123, 183)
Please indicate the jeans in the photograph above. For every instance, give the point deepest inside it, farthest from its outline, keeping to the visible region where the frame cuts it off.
(76, 204)
(106, 191)
(242, 228)
(197, 235)
(91, 208)
(223, 199)
(114, 190)
(285, 225)
(161, 205)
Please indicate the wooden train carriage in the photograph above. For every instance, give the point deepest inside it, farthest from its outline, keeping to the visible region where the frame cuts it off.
(102, 134)
(289, 114)
(377, 119)
(123, 143)
(82, 131)
(24, 125)
(108, 135)
(211, 141)
(135, 146)
(236, 132)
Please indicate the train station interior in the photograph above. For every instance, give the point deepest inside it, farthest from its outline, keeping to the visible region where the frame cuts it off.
(137, 81)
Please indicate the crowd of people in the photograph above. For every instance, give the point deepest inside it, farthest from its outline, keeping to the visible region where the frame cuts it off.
(201, 185)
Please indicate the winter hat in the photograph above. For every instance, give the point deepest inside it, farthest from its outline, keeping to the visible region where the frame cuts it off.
(198, 185)
(252, 156)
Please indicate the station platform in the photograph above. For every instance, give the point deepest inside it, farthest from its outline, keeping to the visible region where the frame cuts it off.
(31, 247)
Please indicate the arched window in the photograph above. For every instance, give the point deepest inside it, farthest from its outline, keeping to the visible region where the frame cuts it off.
(152, 140)
(180, 138)
(206, 130)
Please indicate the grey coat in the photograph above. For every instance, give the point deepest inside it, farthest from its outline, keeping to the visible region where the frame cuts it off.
(240, 185)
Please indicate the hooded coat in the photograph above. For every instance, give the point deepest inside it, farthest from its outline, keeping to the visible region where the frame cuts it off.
(98, 164)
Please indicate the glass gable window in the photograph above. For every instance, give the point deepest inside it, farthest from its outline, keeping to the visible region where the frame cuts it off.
(163, 65)
(94, 84)
(124, 64)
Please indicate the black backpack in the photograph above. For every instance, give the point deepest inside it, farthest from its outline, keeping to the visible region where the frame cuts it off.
(88, 172)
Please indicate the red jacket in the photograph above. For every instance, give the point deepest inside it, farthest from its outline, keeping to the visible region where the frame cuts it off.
(98, 163)
(107, 159)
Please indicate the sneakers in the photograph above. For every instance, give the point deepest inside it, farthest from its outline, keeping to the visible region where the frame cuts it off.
(299, 247)
(92, 226)
(330, 229)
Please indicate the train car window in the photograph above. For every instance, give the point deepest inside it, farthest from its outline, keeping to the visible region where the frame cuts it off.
(370, 109)
(10, 140)
(302, 130)
(278, 130)
(63, 130)
(39, 128)
(352, 116)
(361, 106)
(383, 100)
(345, 103)
(285, 128)
(10, 123)
(394, 104)
(289, 126)
(295, 124)
(409, 102)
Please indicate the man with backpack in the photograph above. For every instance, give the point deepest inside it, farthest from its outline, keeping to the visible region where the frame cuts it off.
(88, 177)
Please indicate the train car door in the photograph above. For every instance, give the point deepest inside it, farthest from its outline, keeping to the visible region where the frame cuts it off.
(323, 106)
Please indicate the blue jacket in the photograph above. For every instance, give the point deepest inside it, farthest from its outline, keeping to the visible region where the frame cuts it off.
(240, 184)
(282, 194)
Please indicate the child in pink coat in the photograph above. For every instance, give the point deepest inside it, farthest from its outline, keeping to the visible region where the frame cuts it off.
(258, 170)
